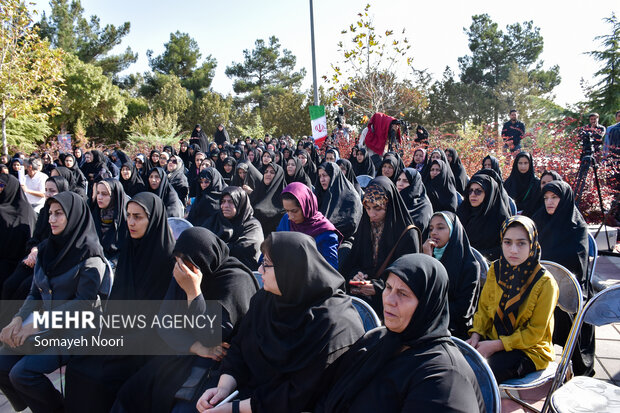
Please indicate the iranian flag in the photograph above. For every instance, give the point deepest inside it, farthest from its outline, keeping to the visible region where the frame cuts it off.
(319, 124)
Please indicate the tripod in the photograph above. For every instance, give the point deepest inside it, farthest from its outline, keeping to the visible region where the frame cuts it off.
(586, 162)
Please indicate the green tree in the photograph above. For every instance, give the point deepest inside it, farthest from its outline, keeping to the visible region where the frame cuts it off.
(365, 81)
(287, 114)
(172, 97)
(210, 110)
(495, 53)
(68, 29)
(605, 95)
(30, 73)
(181, 58)
(90, 96)
(266, 71)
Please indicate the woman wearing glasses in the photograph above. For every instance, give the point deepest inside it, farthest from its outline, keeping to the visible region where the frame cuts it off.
(482, 213)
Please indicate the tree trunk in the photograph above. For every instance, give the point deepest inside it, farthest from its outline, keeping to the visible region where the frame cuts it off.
(5, 146)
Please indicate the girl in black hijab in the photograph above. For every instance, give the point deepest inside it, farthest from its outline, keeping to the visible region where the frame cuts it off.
(386, 232)
(411, 364)
(563, 237)
(447, 242)
(95, 170)
(522, 184)
(266, 199)
(159, 185)
(458, 170)
(71, 163)
(70, 269)
(267, 158)
(151, 162)
(247, 176)
(177, 178)
(193, 172)
(295, 172)
(482, 213)
(491, 162)
(221, 135)
(131, 180)
(437, 154)
(309, 166)
(413, 192)
(215, 276)
(236, 226)
(199, 137)
(207, 201)
(17, 223)
(227, 170)
(363, 165)
(440, 188)
(109, 215)
(338, 200)
(347, 170)
(390, 167)
(184, 154)
(71, 180)
(294, 329)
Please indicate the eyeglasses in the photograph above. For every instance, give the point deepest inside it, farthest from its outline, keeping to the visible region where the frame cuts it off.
(266, 265)
(476, 191)
(174, 161)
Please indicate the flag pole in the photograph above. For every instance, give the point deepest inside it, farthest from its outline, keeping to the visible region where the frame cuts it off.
(316, 93)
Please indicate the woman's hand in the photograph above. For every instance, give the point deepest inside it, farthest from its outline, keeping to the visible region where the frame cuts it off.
(360, 276)
(489, 347)
(188, 279)
(31, 259)
(211, 397)
(247, 189)
(216, 353)
(428, 247)
(25, 332)
(474, 340)
(10, 331)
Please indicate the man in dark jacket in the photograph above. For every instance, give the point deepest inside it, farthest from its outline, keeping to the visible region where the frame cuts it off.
(513, 131)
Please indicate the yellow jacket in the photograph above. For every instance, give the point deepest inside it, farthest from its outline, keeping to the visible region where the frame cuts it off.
(534, 325)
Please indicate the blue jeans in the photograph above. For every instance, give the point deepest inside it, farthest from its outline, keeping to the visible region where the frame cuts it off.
(23, 381)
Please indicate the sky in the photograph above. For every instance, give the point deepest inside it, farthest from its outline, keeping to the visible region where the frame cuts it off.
(224, 29)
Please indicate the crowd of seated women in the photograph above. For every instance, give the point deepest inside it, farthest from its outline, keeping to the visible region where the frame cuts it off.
(409, 244)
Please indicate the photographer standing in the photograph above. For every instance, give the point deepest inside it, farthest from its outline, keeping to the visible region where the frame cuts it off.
(591, 136)
(512, 132)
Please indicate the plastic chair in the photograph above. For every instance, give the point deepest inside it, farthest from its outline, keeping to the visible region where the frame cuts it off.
(486, 379)
(512, 205)
(570, 300)
(484, 265)
(593, 254)
(369, 317)
(363, 180)
(586, 394)
(178, 225)
(259, 278)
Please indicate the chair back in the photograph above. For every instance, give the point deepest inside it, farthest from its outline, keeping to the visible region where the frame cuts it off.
(486, 379)
(603, 308)
(369, 317)
(259, 278)
(459, 198)
(363, 180)
(484, 265)
(178, 225)
(593, 254)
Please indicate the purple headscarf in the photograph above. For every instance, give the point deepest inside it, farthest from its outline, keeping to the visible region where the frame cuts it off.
(314, 222)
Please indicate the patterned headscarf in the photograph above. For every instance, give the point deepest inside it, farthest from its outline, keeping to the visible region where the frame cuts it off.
(375, 195)
(516, 282)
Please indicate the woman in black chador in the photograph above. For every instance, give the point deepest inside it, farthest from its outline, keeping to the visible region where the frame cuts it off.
(296, 326)
(522, 185)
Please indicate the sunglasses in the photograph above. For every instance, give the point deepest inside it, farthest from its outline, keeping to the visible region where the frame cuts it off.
(174, 161)
(476, 192)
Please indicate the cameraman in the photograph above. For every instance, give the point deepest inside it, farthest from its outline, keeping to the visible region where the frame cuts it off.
(513, 131)
(591, 136)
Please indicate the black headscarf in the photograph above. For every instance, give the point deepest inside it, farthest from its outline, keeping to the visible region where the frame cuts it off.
(166, 193)
(442, 155)
(394, 163)
(71, 178)
(484, 222)
(207, 201)
(440, 190)
(230, 230)
(77, 242)
(310, 167)
(267, 200)
(458, 170)
(224, 278)
(312, 315)
(339, 203)
(177, 178)
(17, 222)
(199, 137)
(494, 165)
(134, 184)
(464, 275)
(149, 165)
(299, 175)
(113, 239)
(228, 176)
(563, 236)
(524, 188)
(418, 204)
(366, 167)
(145, 265)
(516, 282)
(80, 179)
(428, 280)
(42, 228)
(350, 175)
(221, 136)
(95, 166)
(252, 175)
